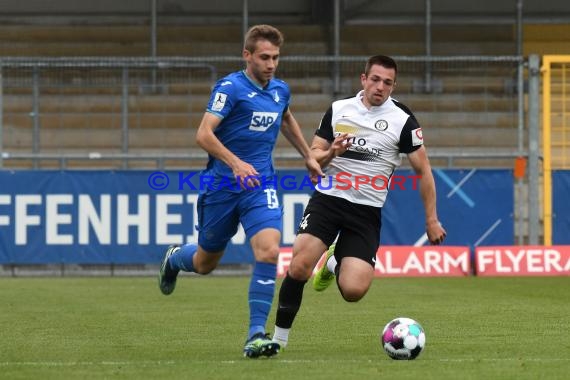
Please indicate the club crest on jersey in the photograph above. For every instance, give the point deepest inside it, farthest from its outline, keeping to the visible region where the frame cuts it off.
(261, 121)
(417, 137)
(381, 125)
(219, 101)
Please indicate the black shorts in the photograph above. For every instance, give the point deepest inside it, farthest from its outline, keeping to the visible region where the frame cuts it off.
(357, 226)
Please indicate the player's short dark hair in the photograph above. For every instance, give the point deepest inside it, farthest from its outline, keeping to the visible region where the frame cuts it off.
(262, 32)
(381, 60)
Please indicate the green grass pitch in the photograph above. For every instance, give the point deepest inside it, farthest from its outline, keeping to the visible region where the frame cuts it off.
(106, 328)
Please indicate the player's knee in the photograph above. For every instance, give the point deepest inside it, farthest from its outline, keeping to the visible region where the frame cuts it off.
(353, 292)
(267, 255)
(300, 269)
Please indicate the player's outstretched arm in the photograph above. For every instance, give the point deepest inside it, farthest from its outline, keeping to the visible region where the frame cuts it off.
(420, 163)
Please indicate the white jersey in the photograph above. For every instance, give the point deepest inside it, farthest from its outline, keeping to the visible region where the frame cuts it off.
(361, 174)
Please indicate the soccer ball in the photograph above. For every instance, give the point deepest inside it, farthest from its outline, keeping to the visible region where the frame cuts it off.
(403, 339)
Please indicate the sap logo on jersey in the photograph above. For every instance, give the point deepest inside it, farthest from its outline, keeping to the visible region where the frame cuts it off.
(261, 121)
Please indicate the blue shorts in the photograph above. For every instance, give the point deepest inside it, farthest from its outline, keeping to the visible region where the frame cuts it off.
(220, 212)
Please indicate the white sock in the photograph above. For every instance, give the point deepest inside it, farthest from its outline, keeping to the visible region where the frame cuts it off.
(331, 264)
(281, 336)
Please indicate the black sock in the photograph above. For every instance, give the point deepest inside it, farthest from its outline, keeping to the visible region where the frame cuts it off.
(290, 297)
(336, 273)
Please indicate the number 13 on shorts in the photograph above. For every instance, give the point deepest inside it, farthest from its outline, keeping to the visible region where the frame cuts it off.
(272, 200)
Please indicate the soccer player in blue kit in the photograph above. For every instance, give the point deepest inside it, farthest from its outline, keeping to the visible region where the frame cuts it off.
(239, 129)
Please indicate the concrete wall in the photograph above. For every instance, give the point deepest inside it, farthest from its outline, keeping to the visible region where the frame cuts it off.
(291, 11)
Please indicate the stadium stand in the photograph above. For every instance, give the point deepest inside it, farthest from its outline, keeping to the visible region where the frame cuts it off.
(546, 39)
(87, 118)
(463, 109)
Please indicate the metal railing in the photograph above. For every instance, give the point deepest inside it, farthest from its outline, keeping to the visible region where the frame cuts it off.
(196, 159)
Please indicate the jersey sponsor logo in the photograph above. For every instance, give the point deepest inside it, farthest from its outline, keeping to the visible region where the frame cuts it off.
(345, 128)
(373, 155)
(381, 125)
(417, 137)
(359, 150)
(219, 101)
(261, 121)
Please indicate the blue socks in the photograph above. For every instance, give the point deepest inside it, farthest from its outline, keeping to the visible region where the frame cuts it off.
(261, 291)
(182, 260)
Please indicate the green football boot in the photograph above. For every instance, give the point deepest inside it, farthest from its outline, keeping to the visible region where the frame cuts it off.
(260, 345)
(324, 277)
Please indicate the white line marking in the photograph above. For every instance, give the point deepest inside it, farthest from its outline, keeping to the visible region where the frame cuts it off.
(460, 183)
(421, 241)
(487, 232)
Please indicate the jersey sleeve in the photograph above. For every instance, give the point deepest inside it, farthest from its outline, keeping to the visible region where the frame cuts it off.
(411, 138)
(325, 129)
(222, 98)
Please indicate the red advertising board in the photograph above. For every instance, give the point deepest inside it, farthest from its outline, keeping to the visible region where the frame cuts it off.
(433, 261)
(523, 261)
(399, 261)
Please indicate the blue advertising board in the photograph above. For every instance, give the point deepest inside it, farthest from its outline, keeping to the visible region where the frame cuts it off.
(123, 217)
(475, 207)
(560, 207)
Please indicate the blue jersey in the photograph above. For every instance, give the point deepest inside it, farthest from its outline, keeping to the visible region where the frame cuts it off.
(251, 118)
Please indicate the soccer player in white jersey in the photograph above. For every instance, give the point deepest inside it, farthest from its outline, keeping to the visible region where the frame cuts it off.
(359, 138)
(246, 112)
